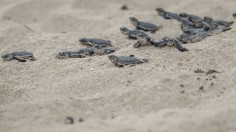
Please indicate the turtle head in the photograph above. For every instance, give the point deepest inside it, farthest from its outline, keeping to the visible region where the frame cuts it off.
(134, 21)
(160, 11)
(97, 46)
(83, 40)
(113, 58)
(7, 57)
(124, 30)
(168, 41)
(142, 39)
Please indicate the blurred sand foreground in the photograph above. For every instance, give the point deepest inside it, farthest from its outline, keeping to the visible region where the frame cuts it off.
(160, 96)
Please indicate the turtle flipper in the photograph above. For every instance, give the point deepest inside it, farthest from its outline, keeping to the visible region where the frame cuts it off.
(76, 56)
(136, 45)
(32, 58)
(224, 23)
(160, 43)
(226, 28)
(109, 51)
(119, 65)
(179, 47)
(20, 59)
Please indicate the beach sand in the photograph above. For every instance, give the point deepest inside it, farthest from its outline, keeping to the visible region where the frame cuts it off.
(163, 95)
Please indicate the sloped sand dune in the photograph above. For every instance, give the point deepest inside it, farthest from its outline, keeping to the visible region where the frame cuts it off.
(162, 95)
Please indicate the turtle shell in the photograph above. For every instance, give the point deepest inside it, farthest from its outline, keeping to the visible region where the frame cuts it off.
(101, 42)
(17, 55)
(134, 33)
(147, 26)
(22, 54)
(126, 60)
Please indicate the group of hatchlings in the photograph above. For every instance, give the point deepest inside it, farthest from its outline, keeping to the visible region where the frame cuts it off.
(194, 30)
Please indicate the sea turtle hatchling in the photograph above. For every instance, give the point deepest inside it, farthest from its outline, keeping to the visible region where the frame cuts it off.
(132, 34)
(82, 53)
(196, 20)
(94, 42)
(121, 61)
(145, 26)
(171, 42)
(170, 15)
(185, 38)
(20, 56)
(143, 40)
(210, 20)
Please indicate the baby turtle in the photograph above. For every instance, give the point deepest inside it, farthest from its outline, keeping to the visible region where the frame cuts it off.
(234, 15)
(94, 42)
(132, 34)
(75, 54)
(171, 42)
(20, 56)
(193, 38)
(219, 30)
(143, 40)
(99, 50)
(170, 15)
(145, 26)
(121, 61)
(219, 22)
(196, 20)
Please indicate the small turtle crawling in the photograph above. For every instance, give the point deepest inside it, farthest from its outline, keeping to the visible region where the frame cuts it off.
(75, 54)
(132, 34)
(121, 61)
(196, 20)
(170, 15)
(20, 56)
(193, 38)
(94, 42)
(171, 42)
(234, 15)
(210, 20)
(145, 26)
(143, 40)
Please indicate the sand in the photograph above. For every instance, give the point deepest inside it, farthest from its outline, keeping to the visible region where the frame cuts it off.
(160, 96)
